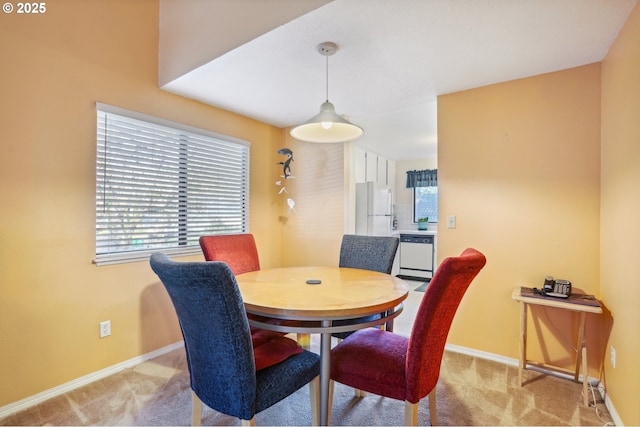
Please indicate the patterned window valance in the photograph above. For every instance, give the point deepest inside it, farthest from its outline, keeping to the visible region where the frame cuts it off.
(423, 178)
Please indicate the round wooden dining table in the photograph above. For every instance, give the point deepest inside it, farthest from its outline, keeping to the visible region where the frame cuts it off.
(309, 300)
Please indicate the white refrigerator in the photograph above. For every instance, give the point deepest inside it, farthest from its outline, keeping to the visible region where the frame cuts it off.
(374, 216)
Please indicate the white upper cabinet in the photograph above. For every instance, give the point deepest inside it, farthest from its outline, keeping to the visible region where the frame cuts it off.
(360, 164)
(372, 167)
(391, 174)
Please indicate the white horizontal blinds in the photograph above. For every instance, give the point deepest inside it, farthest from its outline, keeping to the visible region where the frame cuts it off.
(161, 188)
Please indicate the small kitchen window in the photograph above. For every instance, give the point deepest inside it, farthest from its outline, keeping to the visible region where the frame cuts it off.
(425, 193)
(425, 203)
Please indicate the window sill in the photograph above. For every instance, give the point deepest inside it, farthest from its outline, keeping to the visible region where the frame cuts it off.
(136, 256)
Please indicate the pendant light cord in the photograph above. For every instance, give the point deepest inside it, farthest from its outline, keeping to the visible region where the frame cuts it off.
(327, 73)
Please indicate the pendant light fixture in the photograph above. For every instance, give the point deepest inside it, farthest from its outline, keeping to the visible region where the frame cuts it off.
(327, 126)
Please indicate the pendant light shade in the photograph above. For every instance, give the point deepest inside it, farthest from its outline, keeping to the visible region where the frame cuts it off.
(327, 126)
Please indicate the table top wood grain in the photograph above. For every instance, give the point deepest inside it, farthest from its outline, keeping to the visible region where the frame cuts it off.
(342, 293)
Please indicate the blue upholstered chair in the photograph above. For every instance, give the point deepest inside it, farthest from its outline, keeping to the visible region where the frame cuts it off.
(408, 368)
(375, 253)
(218, 344)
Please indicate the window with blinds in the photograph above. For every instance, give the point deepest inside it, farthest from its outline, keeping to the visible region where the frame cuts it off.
(161, 185)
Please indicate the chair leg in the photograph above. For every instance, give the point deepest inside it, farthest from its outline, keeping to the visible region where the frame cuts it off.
(304, 341)
(389, 325)
(330, 403)
(433, 416)
(410, 413)
(360, 393)
(196, 410)
(314, 393)
(251, 422)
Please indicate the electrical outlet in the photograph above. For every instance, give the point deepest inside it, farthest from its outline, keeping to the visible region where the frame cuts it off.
(105, 328)
(613, 356)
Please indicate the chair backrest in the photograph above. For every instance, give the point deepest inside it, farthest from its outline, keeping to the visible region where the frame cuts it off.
(238, 251)
(216, 333)
(434, 318)
(374, 253)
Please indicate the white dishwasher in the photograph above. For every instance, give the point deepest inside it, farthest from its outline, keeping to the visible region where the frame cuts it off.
(416, 256)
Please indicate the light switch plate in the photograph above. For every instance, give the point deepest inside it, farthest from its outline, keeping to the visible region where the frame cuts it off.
(451, 221)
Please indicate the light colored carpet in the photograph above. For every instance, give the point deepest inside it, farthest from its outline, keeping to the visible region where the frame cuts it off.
(471, 391)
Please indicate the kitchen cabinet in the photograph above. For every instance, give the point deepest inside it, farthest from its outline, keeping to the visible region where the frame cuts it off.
(391, 174)
(360, 164)
(382, 176)
(371, 160)
(386, 171)
(378, 169)
(372, 167)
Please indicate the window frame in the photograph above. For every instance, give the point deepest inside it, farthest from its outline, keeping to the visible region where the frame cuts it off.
(193, 137)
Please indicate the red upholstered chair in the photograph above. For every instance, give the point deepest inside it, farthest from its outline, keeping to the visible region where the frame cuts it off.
(408, 368)
(238, 251)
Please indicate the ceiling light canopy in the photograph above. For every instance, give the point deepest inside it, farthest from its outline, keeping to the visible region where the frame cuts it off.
(327, 126)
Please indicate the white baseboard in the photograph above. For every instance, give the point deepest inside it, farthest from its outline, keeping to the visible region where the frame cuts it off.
(30, 401)
(482, 354)
(515, 362)
(609, 405)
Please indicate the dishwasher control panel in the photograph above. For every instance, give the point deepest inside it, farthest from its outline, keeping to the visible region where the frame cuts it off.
(417, 238)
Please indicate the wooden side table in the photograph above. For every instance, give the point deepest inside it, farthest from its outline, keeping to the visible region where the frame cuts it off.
(581, 304)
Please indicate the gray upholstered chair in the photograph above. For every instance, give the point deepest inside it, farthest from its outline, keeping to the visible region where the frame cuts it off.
(221, 356)
(375, 253)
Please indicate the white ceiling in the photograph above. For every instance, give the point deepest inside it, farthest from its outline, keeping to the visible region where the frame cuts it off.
(395, 57)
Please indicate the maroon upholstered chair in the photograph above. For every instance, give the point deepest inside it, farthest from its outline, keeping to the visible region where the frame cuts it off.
(408, 368)
(238, 251)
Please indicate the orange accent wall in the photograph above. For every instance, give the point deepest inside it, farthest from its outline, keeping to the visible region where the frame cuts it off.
(541, 174)
(620, 211)
(519, 167)
(55, 66)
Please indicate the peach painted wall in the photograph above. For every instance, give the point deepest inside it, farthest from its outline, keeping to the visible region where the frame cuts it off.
(519, 167)
(620, 211)
(55, 66)
(312, 231)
